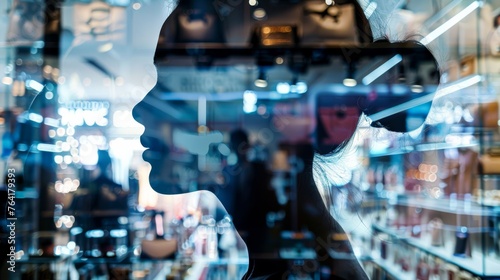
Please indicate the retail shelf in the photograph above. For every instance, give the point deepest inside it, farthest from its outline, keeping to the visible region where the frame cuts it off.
(459, 207)
(201, 266)
(484, 267)
(392, 270)
(420, 148)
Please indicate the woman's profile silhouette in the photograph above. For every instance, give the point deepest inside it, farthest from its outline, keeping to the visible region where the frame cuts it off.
(204, 32)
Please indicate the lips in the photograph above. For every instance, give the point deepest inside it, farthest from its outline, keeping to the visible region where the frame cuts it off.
(156, 149)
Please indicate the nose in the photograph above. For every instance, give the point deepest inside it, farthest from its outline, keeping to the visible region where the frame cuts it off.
(136, 112)
(142, 111)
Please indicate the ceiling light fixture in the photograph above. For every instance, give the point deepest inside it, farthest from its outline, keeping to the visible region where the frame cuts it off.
(259, 14)
(417, 87)
(349, 80)
(261, 80)
(401, 74)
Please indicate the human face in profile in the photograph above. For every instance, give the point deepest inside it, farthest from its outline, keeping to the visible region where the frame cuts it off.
(199, 96)
(189, 84)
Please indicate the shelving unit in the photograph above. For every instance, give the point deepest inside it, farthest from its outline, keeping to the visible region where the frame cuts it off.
(457, 194)
(488, 269)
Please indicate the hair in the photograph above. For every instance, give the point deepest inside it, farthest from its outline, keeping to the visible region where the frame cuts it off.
(334, 170)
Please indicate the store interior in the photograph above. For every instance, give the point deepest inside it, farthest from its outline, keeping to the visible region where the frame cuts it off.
(241, 139)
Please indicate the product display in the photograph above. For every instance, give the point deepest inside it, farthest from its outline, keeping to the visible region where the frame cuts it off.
(436, 229)
(293, 139)
(423, 269)
(462, 243)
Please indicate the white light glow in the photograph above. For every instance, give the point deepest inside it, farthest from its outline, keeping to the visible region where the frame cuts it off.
(60, 132)
(105, 47)
(349, 82)
(34, 85)
(260, 83)
(7, 80)
(460, 84)
(249, 108)
(249, 102)
(96, 233)
(136, 6)
(259, 14)
(58, 159)
(417, 88)
(368, 79)
(301, 88)
(35, 117)
(118, 233)
(49, 95)
(283, 88)
(43, 147)
(450, 23)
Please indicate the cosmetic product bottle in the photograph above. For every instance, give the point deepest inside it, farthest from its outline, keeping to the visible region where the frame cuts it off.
(461, 242)
(423, 268)
(436, 229)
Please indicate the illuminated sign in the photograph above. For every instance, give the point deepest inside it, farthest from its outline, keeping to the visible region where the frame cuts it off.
(84, 113)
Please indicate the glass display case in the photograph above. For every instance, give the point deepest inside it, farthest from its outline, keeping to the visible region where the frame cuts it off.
(433, 193)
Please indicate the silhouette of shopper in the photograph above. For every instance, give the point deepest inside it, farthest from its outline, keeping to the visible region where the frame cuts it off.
(312, 213)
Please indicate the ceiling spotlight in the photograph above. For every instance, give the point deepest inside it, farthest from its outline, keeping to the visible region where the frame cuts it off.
(349, 81)
(259, 14)
(401, 74)
(261, 80)
(417, 87)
